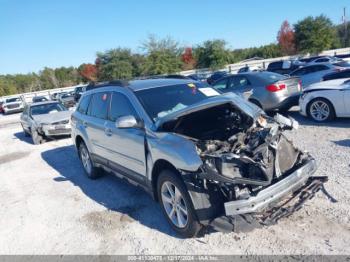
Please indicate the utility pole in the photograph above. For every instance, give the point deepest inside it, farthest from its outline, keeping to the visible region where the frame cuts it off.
(345, 26)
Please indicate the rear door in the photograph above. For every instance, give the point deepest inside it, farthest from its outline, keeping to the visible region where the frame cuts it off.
(316, 73)
(95, 122)
(240, 85)
(346, 99)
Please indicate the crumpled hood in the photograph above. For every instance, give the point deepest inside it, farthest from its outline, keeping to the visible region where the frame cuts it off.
(53, 117)
(247, 107)
(328, 85)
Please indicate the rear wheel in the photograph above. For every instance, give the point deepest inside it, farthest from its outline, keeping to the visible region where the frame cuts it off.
(176, 204)
(321, 110)
(90, 170)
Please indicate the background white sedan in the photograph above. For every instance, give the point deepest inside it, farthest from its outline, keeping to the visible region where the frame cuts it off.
(326, 100)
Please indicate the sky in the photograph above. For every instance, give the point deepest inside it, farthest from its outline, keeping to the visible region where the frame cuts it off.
(39, 33)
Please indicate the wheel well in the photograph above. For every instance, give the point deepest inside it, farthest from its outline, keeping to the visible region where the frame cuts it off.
(78, 141)
(254, 101)
(158, 167)
(321, 98)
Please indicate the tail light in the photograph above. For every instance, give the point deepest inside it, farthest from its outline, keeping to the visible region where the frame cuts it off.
(300, 85)
(275, 87)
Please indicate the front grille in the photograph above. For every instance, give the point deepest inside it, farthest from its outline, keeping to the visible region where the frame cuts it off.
(59, 131)
(61, 122)
(12, 106)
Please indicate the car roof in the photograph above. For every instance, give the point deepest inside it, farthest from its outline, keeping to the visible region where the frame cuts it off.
(44, 103)
(137, 85)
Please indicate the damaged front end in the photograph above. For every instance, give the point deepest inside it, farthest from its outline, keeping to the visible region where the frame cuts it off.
(250, 168)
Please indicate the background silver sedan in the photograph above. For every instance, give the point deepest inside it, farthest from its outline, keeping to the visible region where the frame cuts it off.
(269, 91)
(45, 119)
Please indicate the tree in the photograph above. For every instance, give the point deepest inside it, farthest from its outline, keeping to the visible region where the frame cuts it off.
(114, 64)
(88, 72)
(285, 38)
(212, 54)
(162, 56)
(188, 60)
(315, 34)
(343, 31)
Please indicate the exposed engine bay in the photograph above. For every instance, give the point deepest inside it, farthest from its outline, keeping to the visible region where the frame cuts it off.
(241, 154)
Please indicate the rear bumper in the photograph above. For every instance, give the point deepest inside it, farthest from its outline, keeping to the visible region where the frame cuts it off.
(287, 103)
(272, 194)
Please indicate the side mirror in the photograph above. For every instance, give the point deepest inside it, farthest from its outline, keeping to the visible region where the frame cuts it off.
(127, 122)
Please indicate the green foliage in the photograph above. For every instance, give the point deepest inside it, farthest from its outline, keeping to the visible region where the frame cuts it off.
(266, 51)
(162, 56)
(115, 64)
(343, 33)
(315, 34)
(212, 54)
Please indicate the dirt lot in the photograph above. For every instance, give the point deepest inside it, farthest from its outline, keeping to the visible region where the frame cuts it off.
(48, 206)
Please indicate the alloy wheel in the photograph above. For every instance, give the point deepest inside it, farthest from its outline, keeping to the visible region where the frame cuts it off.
(85, 159)
(174, 204)
(319, 110)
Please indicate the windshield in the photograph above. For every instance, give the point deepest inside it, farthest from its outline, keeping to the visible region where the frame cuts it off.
(11, 100)
(161, 101)
(46, 109)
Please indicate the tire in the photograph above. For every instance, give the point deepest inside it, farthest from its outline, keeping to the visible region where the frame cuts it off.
(186, 226)
(37, 138)
(26, 134)
(91, 171)
(320, 110)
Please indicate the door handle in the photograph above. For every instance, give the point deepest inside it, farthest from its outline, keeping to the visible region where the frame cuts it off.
(108, 131)
(85, 124)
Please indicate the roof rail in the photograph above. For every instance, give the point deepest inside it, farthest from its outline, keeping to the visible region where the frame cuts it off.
(122, 83)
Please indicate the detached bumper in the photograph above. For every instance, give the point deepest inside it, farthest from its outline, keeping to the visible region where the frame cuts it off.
(286, 103)
(272, 194)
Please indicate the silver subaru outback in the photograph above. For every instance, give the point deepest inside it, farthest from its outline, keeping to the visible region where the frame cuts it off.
(212, 161)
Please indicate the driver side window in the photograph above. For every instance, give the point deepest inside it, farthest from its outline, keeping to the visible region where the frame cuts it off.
(120, 106)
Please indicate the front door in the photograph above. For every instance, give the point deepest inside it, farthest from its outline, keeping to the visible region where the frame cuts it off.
(126, 146)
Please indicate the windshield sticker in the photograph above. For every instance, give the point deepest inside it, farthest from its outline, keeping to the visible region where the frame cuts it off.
(208, 91)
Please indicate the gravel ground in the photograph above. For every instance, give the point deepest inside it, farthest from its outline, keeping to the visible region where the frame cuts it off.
(48, 206)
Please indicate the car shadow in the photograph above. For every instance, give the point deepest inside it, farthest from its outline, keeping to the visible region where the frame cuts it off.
(115, 194)
(344, 142)
(21, 136)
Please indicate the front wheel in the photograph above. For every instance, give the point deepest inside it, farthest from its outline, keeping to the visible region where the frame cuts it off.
(176, 204)
(37, 138)
(321, 110)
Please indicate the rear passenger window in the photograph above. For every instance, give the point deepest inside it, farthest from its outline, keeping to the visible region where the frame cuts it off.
(121, 106)
(222, 84)
(84, 104)
(99, 105)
